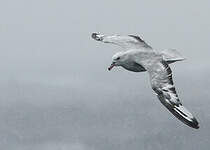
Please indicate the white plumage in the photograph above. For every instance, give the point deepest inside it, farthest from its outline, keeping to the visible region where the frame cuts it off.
(138, 56)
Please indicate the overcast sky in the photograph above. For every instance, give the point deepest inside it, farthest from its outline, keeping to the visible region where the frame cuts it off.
(56, 92)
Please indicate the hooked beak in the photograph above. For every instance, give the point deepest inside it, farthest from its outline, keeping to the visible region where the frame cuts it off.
(111, 66)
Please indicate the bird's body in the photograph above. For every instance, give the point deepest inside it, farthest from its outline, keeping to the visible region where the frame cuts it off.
(130, 63)
(139, 57)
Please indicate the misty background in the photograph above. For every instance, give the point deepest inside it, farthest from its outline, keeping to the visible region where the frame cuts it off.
(56, 92)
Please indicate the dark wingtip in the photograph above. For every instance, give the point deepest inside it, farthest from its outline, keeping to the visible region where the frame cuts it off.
(97, 36)
(94, 35)
(195, 124)
(197, 127)
(180, 115)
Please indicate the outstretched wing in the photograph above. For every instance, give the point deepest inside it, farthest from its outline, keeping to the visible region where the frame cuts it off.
(162, 83)
(126, 42)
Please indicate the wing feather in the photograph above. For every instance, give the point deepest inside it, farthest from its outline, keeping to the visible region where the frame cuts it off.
(126, 42)
(163, 85)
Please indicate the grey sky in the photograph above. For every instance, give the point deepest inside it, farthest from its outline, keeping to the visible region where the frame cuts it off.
(57, 94)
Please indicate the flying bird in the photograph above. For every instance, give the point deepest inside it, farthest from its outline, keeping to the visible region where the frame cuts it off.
(138, 56)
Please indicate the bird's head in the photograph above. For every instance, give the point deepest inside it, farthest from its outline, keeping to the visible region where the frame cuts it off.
(118, 60)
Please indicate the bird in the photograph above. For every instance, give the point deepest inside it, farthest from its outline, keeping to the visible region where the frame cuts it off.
(138, 56)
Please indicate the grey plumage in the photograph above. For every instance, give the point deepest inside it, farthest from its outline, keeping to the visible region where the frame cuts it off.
(138, 57)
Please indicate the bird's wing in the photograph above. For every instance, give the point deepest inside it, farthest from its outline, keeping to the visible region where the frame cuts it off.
(162, 83)
(126, 42)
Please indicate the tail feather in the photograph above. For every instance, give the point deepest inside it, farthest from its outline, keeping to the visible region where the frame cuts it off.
(171, 56)
(182, 114)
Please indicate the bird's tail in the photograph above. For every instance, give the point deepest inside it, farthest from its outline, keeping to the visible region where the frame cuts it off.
(171, 56)
(182, 114)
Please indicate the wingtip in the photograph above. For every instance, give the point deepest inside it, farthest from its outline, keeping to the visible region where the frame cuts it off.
(195, 124)
(182, 114)
(94, 34)
(97, 36)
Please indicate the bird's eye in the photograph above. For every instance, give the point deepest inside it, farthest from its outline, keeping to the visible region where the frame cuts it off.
(117, 58)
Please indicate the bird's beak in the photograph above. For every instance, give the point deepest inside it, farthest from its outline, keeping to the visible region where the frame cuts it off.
(111, 66)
